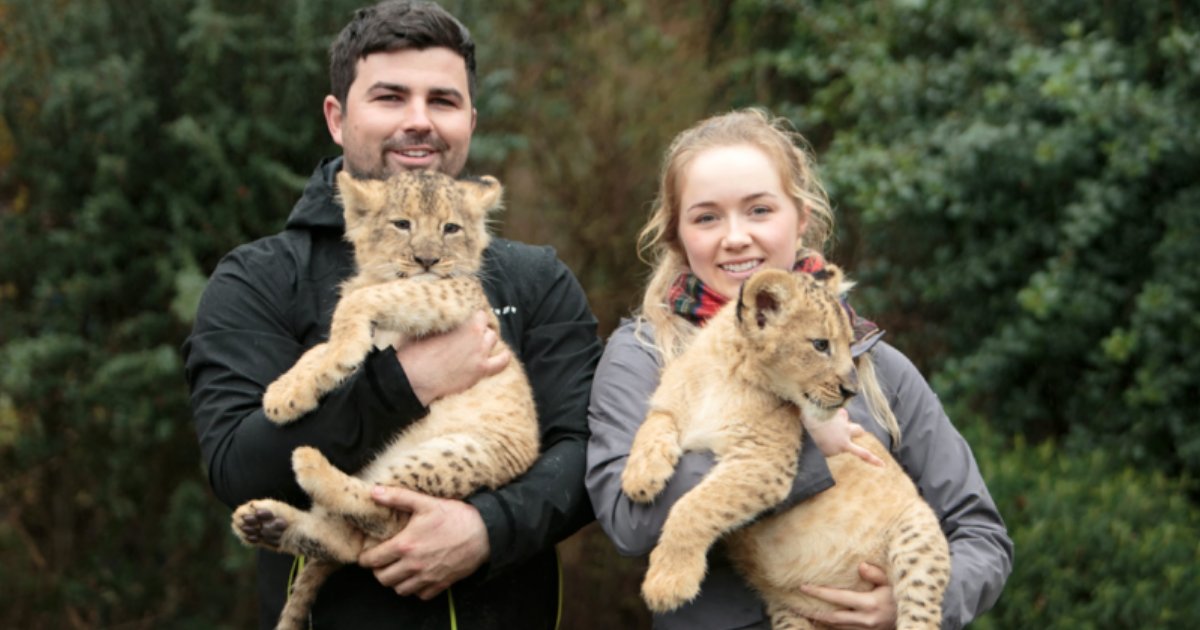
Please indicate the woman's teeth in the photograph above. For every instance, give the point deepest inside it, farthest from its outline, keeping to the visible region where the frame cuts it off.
(742, 266)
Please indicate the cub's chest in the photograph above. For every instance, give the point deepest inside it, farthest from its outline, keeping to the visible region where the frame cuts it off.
(717, 416)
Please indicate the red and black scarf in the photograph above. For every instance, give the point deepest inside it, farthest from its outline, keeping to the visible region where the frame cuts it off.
(691, 299)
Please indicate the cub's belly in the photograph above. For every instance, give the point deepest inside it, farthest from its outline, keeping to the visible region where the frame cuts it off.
(802, 546)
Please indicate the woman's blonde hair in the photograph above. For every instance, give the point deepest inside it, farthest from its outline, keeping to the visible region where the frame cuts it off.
(659, 245)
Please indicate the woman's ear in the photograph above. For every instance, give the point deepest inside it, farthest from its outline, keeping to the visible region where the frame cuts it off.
(803, 212)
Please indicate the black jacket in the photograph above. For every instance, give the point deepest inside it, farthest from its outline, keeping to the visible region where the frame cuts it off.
(270, 300)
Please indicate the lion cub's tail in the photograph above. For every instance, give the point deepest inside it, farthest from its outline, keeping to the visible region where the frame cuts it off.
(304, 593)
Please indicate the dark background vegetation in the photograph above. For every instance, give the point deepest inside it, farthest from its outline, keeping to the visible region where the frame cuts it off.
(1017, 185)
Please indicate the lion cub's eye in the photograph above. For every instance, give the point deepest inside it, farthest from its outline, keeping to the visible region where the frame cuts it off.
(821, 345)
(451, 228)
(403, 224)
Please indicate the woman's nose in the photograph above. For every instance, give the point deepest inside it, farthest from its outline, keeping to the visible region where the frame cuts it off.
(735, 234)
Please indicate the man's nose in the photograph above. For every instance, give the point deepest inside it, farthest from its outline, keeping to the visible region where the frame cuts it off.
(416, 116)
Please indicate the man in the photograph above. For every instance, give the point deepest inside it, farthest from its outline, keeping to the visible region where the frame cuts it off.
(402, 76)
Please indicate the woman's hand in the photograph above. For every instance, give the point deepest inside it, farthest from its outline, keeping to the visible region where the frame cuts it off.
(874, 609)
(833, 437)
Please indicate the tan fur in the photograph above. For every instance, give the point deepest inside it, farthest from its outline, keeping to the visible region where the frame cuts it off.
(781, 350)
(482, 437)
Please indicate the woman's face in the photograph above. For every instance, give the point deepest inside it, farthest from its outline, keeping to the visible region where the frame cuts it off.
(735, 217)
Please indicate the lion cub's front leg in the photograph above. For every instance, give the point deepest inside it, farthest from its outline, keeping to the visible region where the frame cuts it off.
(652, 458)
(737, 489)
(406, 307)
(325, 365)
(293, 394)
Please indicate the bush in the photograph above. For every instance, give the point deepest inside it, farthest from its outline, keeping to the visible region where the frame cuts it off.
(137, 145)
(1099, 544)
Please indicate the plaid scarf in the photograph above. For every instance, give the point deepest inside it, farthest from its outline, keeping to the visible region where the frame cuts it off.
(693, 301)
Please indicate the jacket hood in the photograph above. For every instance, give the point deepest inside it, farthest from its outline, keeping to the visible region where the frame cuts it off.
(317, 207)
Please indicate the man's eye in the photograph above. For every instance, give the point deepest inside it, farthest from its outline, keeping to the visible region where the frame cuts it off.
(403, 224)
(451, 228)
(821, 345)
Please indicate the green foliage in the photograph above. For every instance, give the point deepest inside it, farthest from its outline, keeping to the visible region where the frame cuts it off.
(1019, 188)
(142, 141)
(1098, 544)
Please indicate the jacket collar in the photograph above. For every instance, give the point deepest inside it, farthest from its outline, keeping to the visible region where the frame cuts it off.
(317, 207)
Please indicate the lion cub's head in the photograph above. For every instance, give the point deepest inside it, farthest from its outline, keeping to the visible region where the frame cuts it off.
(417, 224)
(798, 338)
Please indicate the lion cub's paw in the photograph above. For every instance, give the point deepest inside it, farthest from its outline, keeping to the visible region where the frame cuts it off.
(312, 470)
(287, 399)
(262, 523)
(345, 357)
(645, 476)
(673, 579)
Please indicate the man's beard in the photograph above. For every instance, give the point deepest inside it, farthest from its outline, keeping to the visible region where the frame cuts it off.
(407, 141)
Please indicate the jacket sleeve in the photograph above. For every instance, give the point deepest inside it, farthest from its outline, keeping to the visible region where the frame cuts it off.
(626, 378)
(559, 350)
(243, 338)
(940, 462)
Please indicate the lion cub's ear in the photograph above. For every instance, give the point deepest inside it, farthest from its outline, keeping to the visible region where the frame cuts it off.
(763, 294)
(482, 194)
(359, 197)
(833, 279)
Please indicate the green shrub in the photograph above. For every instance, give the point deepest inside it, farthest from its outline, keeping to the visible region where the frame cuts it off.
(1099, 544)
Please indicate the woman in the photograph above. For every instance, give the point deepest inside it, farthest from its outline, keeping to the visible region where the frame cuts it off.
(739, 193)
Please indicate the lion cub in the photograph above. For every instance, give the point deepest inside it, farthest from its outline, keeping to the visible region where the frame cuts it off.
(418, 245)
(779, 352)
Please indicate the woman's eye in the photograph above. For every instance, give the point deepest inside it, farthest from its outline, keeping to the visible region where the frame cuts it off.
(451, 228)
(760, 210)
(821, 345)
(403, 224)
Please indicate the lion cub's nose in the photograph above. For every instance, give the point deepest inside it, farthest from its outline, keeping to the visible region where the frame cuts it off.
(427, 263)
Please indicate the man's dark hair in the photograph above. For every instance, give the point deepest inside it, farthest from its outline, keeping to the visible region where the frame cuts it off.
(396, 25)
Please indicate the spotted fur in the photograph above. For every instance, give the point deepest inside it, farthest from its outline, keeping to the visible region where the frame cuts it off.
(778, 355)
(418, 244)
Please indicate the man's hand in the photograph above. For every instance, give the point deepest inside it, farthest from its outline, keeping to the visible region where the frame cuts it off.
(874, 609)
(833, 437)
(440, 365)
(445, 540)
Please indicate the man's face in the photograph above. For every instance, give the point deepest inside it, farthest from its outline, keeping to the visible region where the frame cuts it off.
(406, 110)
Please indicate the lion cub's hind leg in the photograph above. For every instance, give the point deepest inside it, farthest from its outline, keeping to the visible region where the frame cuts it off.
(316, 534)
(918, 568)
(784, 618)
(341, 494)
(450, 466)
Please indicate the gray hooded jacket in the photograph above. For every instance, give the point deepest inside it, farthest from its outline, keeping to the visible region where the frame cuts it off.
(932, 452)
